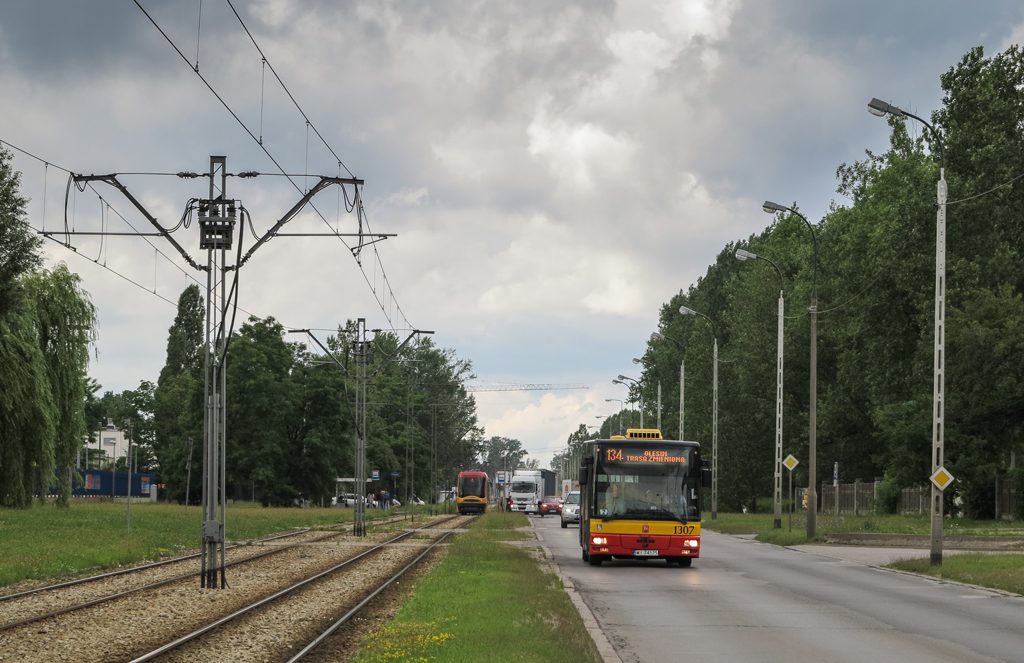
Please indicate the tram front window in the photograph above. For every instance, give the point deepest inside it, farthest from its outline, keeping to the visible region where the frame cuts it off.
(472, 487)
(643, 484)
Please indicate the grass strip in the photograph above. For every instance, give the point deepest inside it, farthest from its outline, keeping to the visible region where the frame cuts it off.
(760, 524)
(47, 542)
(1005, 572)
(486, 601)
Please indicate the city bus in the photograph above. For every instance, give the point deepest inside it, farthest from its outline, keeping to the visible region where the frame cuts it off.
(472, 495)
(640, 498)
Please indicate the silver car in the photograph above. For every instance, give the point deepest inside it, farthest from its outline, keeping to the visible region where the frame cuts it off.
(571, 509)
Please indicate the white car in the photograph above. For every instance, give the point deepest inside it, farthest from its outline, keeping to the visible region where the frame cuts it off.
(571, 509)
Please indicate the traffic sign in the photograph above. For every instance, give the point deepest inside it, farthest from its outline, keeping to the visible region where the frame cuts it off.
(941, 478)
(376, 475)
(396, 474)
(791, 462)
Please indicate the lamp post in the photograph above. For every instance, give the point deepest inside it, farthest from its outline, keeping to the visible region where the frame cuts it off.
(639, 362)
(657, 336)
(812, 451)
(742, 254)
(609, 400)
(880, 109)
(714, 415)
(621, 380)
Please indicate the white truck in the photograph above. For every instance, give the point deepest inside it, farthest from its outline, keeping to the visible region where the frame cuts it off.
(529, 487)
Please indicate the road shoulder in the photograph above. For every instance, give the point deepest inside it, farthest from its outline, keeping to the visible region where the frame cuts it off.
(604, 646)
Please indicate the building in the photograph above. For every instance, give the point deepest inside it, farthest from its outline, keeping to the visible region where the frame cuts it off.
(111, 442)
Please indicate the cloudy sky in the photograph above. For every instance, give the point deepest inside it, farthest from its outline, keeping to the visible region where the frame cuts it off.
(554, 171)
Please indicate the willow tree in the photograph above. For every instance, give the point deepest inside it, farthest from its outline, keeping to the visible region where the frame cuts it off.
(25, 399)
(64, 322)
(46, 326)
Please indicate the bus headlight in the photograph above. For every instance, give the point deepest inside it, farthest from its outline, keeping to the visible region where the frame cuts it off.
(599, 541)
(692, 543)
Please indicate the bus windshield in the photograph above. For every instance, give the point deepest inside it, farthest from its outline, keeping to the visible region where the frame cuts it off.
(471, 487)
(649, 483)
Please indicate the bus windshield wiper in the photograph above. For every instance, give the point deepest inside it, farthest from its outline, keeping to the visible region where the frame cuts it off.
(665, 512)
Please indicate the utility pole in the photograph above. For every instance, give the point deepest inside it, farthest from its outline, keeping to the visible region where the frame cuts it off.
(129, 466)
(188, 472)
(360, 351)
(217, 216)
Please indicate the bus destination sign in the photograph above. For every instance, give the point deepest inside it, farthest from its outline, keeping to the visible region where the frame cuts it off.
(620, 455)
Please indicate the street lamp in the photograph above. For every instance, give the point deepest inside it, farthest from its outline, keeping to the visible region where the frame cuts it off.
(714, 415)
(609, 400)
(812, 451)
(656, 336)
(881, 108)
(743, 254)
(638, 390)
(641, 361)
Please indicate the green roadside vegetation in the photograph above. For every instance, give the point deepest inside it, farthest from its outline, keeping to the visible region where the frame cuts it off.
(760, 524)
(45, 542)
(485, 601)
(1004, 572)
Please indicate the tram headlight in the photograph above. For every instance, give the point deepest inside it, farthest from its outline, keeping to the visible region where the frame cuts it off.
(599, 541)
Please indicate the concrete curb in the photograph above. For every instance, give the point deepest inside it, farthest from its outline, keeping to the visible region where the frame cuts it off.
(981, 588)
(604, 647)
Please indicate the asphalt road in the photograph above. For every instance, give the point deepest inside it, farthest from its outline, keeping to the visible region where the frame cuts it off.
(747, 601)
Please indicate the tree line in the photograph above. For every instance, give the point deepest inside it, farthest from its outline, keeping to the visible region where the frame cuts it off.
(291, 417)
(290, 411)
(875, 281)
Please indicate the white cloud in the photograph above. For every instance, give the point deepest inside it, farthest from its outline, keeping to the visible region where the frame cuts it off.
(554, 172)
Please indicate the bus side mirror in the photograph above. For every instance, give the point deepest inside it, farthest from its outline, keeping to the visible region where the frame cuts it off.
(705, 478)
(584, 474)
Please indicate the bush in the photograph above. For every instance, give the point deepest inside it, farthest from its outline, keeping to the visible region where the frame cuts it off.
(887, 496)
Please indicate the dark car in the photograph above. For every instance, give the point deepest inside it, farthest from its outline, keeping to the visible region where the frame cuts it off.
(551, 504)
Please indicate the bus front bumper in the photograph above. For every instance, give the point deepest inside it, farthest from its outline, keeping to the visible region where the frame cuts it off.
(633, 546)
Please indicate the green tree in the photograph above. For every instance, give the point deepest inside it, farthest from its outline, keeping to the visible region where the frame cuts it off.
(19, 246)
(65, 322)
(177, 405)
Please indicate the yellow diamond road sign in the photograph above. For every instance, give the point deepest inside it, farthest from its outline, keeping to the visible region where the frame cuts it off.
(790, 462)
(942, 478)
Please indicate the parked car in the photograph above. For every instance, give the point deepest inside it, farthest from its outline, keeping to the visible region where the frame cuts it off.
(551, 504)
(345, 500)
(571, 509)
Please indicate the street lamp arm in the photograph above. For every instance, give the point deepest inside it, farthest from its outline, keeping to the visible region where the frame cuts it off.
(658, 336)
(742, 254)
(880, 108)
(689, 311)
(771, 207)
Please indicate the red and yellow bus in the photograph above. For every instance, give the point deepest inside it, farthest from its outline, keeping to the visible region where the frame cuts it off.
(472, 495)
(640, 498)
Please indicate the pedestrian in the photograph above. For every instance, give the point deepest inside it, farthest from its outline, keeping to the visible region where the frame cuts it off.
(387, 498)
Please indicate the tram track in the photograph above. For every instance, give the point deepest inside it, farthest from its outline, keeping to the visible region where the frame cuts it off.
(58, 593)
(116, 626)
(290, 606)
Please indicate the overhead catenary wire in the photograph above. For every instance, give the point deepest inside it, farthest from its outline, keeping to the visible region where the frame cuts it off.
(360, 210)
(286, 90)
(105, 209)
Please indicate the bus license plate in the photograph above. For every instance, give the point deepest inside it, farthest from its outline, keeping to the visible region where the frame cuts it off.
(645, 553)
